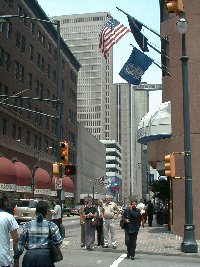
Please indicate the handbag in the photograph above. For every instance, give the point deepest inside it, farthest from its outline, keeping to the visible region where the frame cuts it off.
(122, 223)
(55, 251)
(94, 222)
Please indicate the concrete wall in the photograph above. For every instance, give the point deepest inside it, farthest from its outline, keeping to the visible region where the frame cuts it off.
(91, 162)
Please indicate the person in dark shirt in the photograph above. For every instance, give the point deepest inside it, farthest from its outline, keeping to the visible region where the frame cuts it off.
(131, 217)
(90, 214)
(99, 226)
(150, 212)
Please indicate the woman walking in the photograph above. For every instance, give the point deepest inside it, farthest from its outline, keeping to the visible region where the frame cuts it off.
(35, 237)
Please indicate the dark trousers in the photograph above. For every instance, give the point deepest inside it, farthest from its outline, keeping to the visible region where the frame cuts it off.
(58, 223)
(37, 258)
(100, 237)
(130, 242)
(150, 219)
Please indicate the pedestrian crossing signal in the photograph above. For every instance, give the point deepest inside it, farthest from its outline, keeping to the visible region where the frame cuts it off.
(175, 6)
(170, 165)
(70, 170)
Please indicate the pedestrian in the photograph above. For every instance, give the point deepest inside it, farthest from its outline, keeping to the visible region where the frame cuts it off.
(131, 217)
(110, 214)
(90, 214)
(82, 222)
(99, 223)
(8, 226)
(35, 238)
(56, 214)
(150, 212)
(141, 207)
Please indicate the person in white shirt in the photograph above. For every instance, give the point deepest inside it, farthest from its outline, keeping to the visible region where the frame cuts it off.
(8, 226)
(141, 207)
(56, 213)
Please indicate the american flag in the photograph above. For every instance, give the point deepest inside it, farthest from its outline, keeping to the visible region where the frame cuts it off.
(110, 34)
(101, 181)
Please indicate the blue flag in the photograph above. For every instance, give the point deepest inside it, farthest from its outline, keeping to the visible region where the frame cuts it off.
(136, 27)
(135, 67)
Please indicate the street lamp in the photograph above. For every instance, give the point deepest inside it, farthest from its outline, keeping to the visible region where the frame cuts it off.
(189, 243)
(92, 186)
(147, 175)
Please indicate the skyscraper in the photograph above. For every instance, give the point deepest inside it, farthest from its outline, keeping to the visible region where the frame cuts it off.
(95, 80)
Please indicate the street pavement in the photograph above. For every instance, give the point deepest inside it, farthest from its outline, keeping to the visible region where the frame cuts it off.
(151, 240)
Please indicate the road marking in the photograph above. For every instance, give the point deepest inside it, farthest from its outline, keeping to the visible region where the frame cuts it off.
(117, 261)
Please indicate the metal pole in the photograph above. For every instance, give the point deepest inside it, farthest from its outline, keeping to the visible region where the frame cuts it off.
(58, 108)
(189, 244)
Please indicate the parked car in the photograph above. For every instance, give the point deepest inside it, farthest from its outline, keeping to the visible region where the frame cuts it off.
(24, 210)
(66, 210)
(75, 210)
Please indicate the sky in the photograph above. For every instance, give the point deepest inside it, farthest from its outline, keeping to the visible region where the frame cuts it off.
(145, 11)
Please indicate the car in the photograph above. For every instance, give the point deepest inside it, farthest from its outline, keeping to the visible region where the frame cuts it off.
(66, 210)
(24, 210)
(75, 210)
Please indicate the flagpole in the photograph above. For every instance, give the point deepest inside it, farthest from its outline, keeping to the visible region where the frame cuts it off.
(144, 25)
(155, 62)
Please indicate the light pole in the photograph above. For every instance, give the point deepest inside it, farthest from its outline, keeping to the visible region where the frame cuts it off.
(147, 175)
(92, 186)
(189, 244)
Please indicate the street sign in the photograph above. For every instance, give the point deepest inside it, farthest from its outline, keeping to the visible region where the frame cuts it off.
(58, 183)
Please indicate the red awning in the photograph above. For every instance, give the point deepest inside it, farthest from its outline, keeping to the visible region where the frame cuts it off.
(42, 182)
(7, 175)
(67, 184)
(23, 177)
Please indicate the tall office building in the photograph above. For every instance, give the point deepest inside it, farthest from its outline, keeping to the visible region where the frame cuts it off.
(128, 109)
(95, 79)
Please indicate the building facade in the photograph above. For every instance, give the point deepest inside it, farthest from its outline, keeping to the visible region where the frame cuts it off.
(95, 80)
(91, 161)
(173, 92)
(29, 87)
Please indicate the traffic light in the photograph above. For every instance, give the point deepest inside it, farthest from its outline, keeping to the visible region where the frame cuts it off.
(64, 152)
(175, 6)
(170, 165)
(70, 170)
(55, 168)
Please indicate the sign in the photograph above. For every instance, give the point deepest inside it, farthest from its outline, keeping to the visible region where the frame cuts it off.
(58, 183)
(7, 187)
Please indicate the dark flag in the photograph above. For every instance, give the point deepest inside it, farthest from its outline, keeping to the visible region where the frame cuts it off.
(136, 27)
(101, 181)
(135, 67)
(110, 34)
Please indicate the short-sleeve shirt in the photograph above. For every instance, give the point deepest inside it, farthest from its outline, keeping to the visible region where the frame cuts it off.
(110, 209)
(88, 210)
(7, 225)
(56, 212)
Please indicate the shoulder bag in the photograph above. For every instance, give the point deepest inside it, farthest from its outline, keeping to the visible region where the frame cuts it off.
(55, 251)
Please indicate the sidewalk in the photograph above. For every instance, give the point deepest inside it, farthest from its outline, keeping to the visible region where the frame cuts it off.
(151, 240)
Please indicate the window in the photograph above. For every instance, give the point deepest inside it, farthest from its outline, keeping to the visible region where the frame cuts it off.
(31, 52)
(32, 28)
(4, 128)
(28, 138)
(49, 48)
(14, 131)
(35, 141)
(19, 72)
(30, 82)
(18, 38)
(48, 71)
(19, 136)
(8, 30)
(23, 46)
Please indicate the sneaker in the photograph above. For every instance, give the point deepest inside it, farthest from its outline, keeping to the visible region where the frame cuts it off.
(127, 256)
(105, 246)
(82, 245)
(90, 249)
(114, 247)
(132, 258)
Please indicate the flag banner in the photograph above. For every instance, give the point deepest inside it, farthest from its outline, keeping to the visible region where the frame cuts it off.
(136, 27)
(101, 181)
(135, 67)
(110, 34)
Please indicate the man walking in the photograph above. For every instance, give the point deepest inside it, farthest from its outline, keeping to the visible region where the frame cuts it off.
(110, 214)
(99, 225)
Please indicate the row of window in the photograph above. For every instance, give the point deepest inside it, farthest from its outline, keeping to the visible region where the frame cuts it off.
(82, 19)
